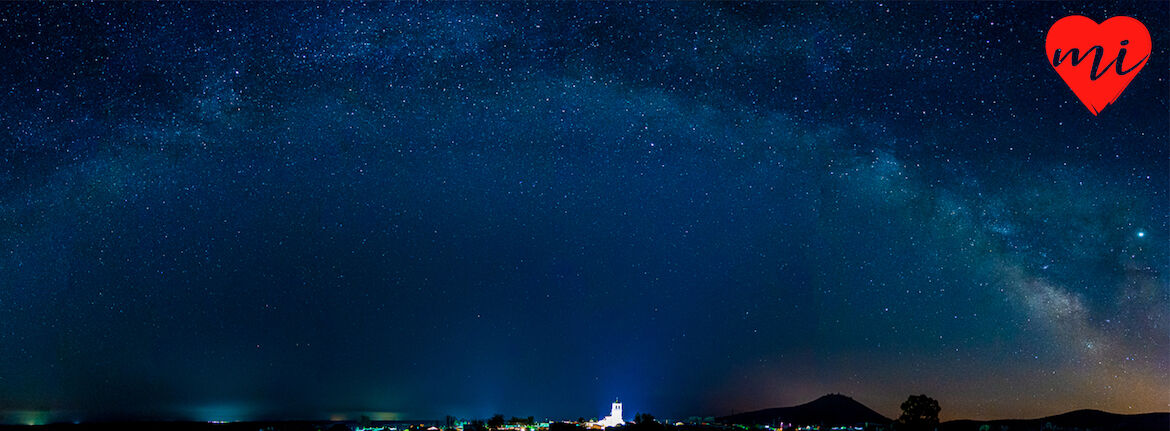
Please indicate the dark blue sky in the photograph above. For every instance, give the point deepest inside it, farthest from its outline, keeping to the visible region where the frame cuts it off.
(304, 210)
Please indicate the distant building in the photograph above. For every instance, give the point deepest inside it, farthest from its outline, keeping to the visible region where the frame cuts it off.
(614, 419)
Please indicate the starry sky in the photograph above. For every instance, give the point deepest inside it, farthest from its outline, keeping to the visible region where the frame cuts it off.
(275, 211)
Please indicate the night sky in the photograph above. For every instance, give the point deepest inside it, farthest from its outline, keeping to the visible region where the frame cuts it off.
(281, 211)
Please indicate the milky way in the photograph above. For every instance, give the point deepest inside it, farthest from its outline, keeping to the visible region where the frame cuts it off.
(304, 210)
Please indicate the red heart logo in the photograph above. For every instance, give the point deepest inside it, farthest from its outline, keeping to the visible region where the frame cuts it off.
(1097, 61)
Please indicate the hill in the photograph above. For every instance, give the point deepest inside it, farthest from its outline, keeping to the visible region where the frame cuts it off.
(832, 410)
(1083, 420)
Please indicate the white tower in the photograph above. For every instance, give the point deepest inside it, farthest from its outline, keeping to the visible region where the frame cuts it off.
(615, 416)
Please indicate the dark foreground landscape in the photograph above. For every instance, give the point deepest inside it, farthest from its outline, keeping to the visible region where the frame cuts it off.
(830, 412)
(1082, 420)
(841, 411)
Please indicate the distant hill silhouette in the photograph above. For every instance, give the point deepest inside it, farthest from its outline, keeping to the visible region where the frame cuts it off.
(831, 410)
(1083, 420)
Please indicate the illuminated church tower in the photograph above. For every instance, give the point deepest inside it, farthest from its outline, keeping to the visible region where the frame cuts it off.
(615, 416)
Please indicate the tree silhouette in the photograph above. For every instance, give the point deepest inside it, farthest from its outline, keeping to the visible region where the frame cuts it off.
(919, 412)
(496, 422)
(645, 422)
(643, 418)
